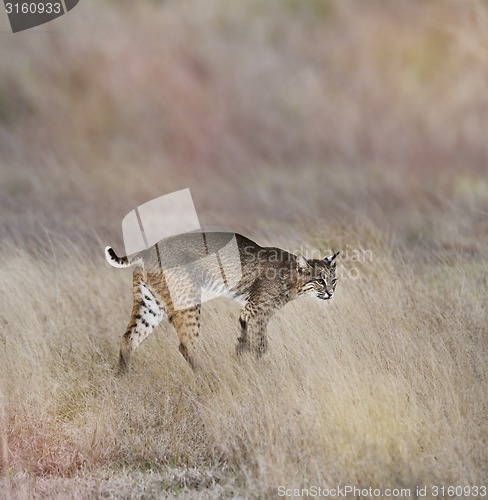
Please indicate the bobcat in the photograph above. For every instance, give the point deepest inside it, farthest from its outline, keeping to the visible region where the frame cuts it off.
(262, 279)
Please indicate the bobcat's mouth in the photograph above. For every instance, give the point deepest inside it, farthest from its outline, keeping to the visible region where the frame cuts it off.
(324, 296)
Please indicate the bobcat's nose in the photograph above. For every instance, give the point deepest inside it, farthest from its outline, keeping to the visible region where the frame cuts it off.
(326, 295)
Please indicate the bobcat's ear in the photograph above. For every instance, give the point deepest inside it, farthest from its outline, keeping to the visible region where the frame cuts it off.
(302, 263)
(332, 259)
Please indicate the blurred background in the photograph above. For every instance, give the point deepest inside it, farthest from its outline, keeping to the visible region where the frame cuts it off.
(340, 124)
(284, 117)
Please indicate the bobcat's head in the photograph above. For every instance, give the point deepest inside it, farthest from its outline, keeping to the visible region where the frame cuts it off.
(317, 277)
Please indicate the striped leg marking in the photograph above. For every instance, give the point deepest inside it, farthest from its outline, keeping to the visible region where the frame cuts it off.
(147, 313)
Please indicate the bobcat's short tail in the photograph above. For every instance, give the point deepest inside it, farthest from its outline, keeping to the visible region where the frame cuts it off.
(120, 262)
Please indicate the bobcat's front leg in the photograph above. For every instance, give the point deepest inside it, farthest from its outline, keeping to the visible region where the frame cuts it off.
(243, 340)
(253, 322)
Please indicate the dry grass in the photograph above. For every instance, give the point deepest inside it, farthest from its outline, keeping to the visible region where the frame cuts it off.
(385, 387)
(342, 124)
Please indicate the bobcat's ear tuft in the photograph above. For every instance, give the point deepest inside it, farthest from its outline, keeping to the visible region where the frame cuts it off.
(332, 259)
(302, 263)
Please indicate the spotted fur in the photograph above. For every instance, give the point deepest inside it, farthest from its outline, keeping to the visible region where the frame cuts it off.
(269, 278)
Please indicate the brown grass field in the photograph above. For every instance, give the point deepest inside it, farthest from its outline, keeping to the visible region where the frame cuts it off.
(326, 124)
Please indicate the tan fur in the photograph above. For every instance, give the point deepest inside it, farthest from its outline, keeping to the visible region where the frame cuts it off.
(268, 279)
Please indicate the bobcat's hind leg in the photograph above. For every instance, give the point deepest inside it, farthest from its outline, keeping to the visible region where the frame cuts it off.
(187, 325)
(147, 313)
